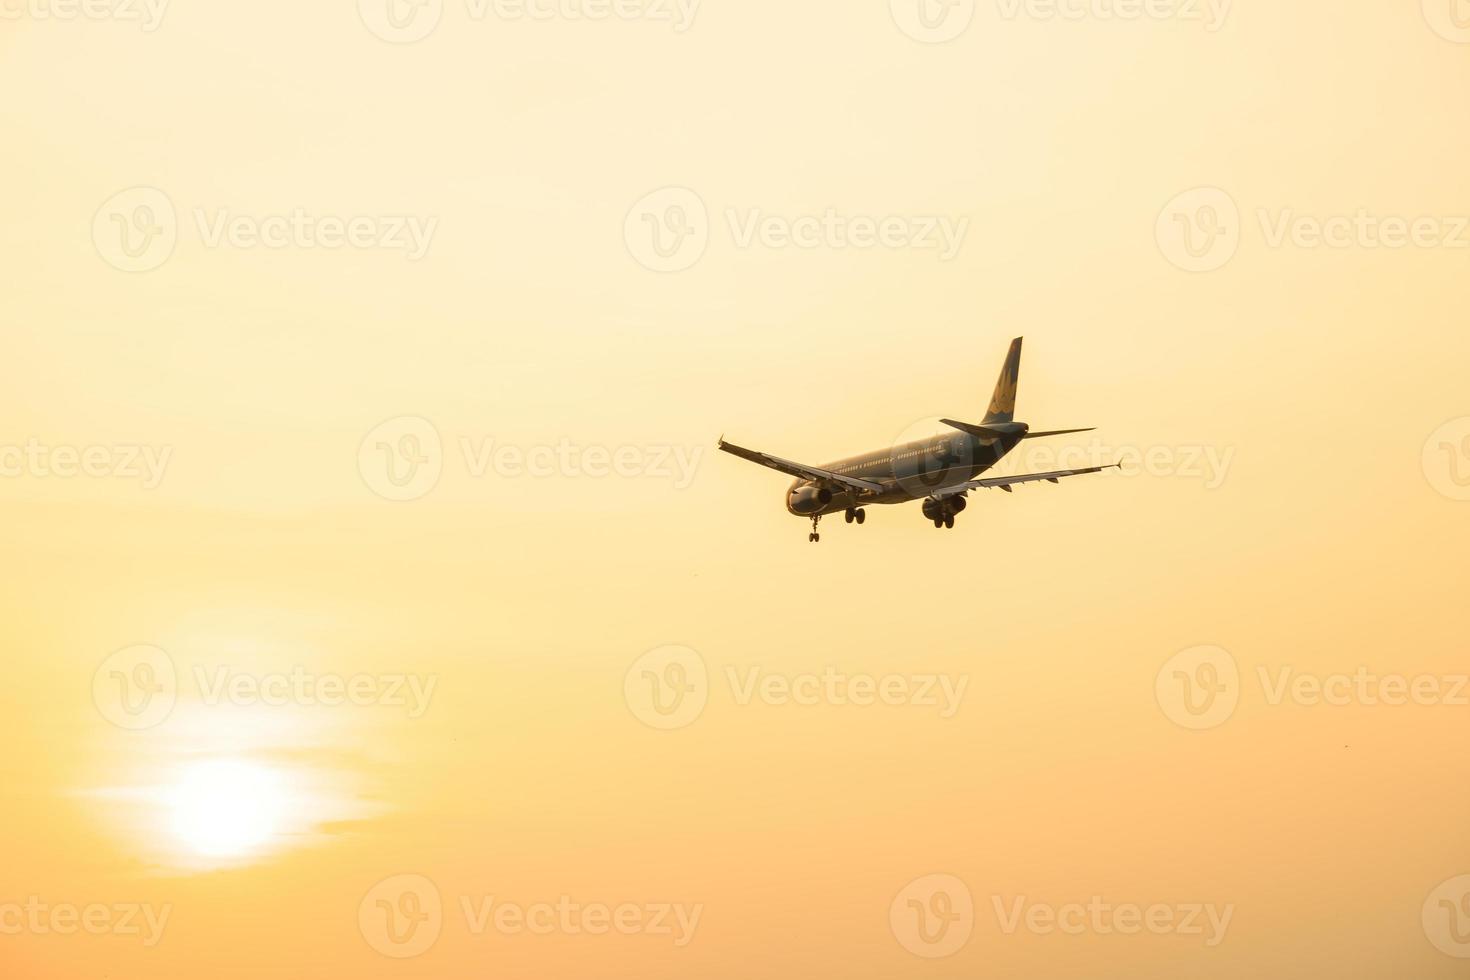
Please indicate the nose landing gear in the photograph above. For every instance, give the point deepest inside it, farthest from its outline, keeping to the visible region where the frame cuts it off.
(851, 515)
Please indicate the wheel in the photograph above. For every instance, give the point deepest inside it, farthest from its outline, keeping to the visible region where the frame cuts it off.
(949, 523)
(816, 536)
(848, 516)
(862, 515)
(938, 522)
(811, 537)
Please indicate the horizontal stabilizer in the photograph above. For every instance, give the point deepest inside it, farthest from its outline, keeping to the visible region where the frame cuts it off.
(997, 429)
(994, 431)
(1057, 432)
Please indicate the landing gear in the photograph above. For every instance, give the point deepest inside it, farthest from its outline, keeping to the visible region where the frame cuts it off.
(814, 537)
(942, 511)
(855, 514)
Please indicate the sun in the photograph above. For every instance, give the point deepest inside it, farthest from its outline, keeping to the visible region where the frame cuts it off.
(226, 808)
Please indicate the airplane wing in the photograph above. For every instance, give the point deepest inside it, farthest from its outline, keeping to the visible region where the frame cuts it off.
(1006, 482)
(800, 470)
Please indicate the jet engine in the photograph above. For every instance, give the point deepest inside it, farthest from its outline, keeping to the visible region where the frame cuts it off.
(936, 509)
(809, 500)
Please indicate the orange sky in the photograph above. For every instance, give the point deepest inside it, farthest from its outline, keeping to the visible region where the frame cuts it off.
(377, 604)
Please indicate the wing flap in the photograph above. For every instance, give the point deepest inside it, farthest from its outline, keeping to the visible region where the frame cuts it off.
(800, 470)
(1007, 482)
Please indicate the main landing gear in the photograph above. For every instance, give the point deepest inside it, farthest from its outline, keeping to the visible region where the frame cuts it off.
(814, 536)
(943, 511)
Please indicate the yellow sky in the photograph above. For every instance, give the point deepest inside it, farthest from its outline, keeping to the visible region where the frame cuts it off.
(378, 606)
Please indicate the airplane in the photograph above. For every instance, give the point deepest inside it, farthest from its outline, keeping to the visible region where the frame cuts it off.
(940, 470)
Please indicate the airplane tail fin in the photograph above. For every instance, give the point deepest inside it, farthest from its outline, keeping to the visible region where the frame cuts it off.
(1003, 402)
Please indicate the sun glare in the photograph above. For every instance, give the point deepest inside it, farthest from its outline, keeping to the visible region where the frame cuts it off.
(226, 808)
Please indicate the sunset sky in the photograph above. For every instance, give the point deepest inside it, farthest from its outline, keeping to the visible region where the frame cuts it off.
(377, 604)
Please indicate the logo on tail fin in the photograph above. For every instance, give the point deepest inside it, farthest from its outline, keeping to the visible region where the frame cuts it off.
(1003, 402)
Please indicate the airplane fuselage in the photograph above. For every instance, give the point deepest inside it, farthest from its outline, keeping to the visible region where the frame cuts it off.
(906, 472)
